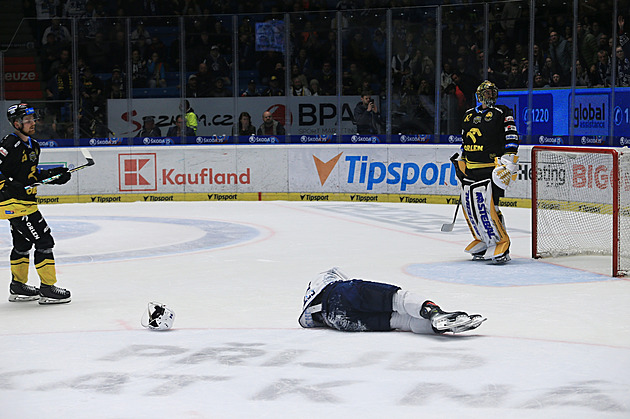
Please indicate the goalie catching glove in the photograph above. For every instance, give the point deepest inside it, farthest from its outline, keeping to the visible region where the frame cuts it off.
(64, 175)
(506, 171)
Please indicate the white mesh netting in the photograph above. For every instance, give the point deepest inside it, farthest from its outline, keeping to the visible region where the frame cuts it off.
(574, 204)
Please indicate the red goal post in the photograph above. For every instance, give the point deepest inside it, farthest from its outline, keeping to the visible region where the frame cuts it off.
(581, 203)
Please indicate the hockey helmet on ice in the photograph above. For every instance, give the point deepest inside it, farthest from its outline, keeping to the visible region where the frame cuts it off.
(487, 93)
(158, 317)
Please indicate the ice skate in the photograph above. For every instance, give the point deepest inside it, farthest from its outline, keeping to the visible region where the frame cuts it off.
(50, 294)
(443, 321)
(19, 292)
(475, 322)
(503, 259)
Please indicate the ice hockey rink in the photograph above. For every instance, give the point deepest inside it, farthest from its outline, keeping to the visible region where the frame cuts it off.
(556, 343)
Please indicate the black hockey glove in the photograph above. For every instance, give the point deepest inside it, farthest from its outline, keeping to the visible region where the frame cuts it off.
(63, 171)
(458, 171)
(12, 189)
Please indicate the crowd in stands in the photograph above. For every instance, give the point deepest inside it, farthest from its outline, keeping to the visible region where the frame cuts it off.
(155, 44)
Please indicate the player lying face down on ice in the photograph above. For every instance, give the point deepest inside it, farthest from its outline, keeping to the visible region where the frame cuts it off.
(337, 301)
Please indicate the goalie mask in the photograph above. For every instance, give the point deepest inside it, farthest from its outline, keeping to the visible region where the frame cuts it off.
(158, 317)
(487, 93)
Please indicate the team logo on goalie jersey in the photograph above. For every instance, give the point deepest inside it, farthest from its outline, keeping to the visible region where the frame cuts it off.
(488, 116)
(477, 120)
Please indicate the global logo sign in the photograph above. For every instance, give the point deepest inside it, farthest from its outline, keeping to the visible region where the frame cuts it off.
(454, 139)
(137, 172)
(49, 143)
(624, 141)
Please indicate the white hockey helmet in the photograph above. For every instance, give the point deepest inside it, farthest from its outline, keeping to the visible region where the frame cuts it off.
(158, 317)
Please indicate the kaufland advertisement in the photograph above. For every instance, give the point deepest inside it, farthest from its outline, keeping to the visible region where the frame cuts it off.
(124, 172)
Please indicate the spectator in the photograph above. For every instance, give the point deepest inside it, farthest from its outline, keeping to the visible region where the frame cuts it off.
(601, 70)
(60, 34)
(244, 125)
(156, 73)
(251, 90)
(327, 80)
(270, 126)
(556, 80)
(560, 54)
(219, 89)
(547, 70)
(179, 130)
(115, 86)
(140, 36)
(303, 63)
(400, 66)
(515, 79)
(298, 89)
(246, 52)
(138, 70)
(204, 81)
(314, 87)
(366, 116)
(63, 58)
(97, 54)
(59, 88)
(218, 65)
(582, 77)
(274, 88)
(192, 88)
(148, 128)
(539, 81)
(623, 68)
(91, 88)
(587, 45)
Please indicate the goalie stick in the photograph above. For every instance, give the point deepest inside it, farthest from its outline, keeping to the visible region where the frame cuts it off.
(449, 226)
(89, 162)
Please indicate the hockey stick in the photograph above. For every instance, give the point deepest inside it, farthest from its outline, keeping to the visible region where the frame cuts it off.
(89, 162)
(449, 227)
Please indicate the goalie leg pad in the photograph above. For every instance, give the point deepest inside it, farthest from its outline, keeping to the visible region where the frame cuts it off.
(478, 244)
(484, 221)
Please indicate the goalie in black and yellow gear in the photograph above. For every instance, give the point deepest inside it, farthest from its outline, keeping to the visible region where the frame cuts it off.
(486, 168)
(19, 157)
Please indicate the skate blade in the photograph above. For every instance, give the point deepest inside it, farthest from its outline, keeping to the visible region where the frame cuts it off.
(475, 322)
(47, 300)
(16, 298)
(446, 324)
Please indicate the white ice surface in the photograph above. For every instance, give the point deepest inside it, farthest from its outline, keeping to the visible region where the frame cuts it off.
(556, 343)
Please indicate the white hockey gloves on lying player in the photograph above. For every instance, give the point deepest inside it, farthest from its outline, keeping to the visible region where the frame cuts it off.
(506, 171)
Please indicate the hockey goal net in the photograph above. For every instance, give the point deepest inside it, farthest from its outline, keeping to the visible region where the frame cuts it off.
(581, 204)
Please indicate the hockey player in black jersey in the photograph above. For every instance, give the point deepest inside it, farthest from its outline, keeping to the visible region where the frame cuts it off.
(19, 156)
(486, 168)
(337, 301)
